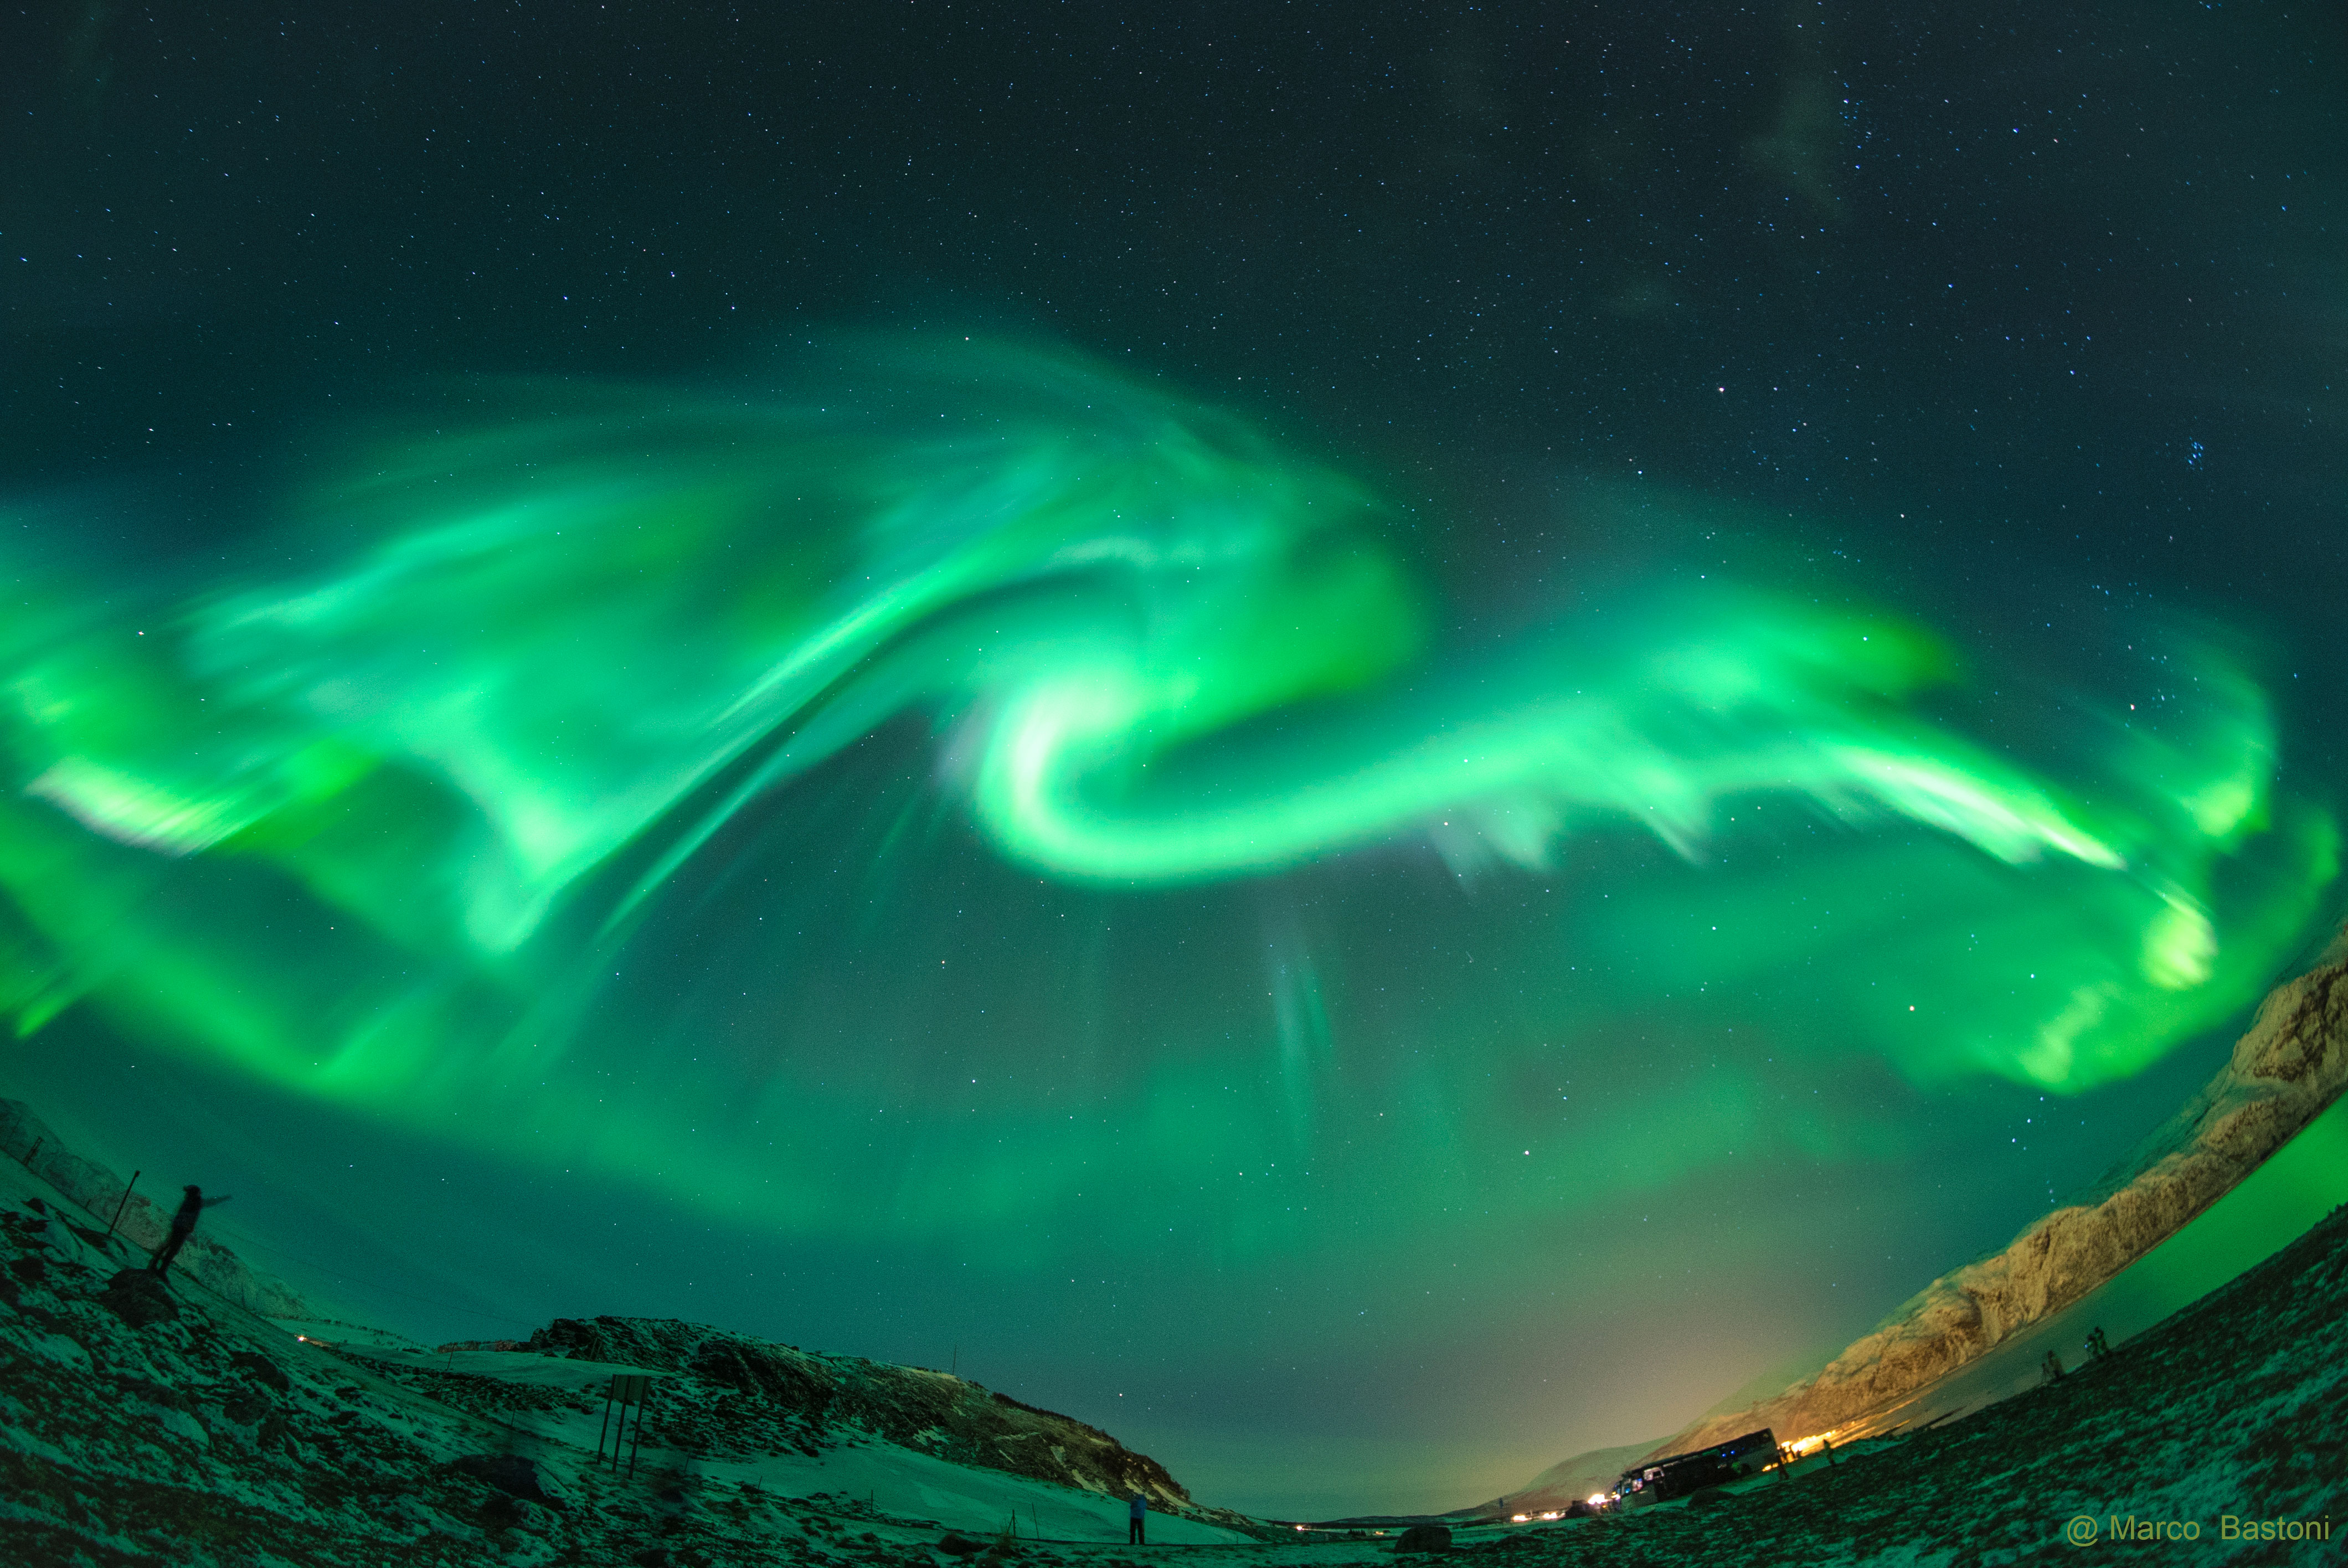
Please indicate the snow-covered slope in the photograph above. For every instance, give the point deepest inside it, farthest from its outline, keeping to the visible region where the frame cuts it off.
(802, 1421)
(152, 1426)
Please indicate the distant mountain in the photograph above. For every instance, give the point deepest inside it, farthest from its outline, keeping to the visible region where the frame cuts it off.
(1571, 1481)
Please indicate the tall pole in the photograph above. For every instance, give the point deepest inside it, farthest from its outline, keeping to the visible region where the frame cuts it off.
(120, 1207)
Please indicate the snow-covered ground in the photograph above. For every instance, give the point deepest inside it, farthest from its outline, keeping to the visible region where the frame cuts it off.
(182, 1429)
(888, 1479)
(140, 1426)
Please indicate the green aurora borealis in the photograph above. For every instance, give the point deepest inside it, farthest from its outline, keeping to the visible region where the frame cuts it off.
(1421, 828)
(392, 831)
(559, 656)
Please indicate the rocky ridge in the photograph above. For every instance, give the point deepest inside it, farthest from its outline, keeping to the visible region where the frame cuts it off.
(2287, 1069)
(2229, 1420)
(729, 1394)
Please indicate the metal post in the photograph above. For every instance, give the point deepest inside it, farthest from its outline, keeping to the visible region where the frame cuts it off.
(605, 1427)
(120, 1207)
(639, 1443)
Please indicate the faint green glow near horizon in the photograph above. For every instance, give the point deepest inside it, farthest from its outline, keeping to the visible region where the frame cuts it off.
(384, 830)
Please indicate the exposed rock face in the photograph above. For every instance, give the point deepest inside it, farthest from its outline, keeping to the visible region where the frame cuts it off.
(748, 1393)
(100, 1193)
(2236, 1405)
(2284, 1072)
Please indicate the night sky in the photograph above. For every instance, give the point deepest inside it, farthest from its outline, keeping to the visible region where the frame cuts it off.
(1372, 740)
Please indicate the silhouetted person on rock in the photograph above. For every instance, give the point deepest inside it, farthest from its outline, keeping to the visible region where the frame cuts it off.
(183, 1226)
(1135, 1514)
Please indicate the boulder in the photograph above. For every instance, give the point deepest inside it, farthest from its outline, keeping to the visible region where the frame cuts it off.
(261, 1369)
(1425, 1537)
(509, 1473)
(139, 1296)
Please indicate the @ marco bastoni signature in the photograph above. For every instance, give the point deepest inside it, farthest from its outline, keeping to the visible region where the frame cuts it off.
(2087, 1529)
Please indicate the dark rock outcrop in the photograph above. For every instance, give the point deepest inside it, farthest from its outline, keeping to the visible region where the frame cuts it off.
(261, 1370)
(509, 1473)
(139, 1297)
(1425, 1537)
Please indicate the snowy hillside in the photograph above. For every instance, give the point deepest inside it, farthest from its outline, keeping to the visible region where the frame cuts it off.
(141, 1425)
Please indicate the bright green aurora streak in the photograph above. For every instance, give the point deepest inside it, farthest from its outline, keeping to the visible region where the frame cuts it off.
(385, 828)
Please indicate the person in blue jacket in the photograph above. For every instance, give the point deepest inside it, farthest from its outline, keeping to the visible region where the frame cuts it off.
(183, 1226)
(1136, 1515)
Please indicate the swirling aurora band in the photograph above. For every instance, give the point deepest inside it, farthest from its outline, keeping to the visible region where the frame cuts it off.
(383, 828)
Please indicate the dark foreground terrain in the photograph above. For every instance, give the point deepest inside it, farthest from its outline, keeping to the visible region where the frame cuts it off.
(152, 1429)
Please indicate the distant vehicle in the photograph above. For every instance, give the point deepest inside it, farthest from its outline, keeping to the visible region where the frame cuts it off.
(1676, 1475)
